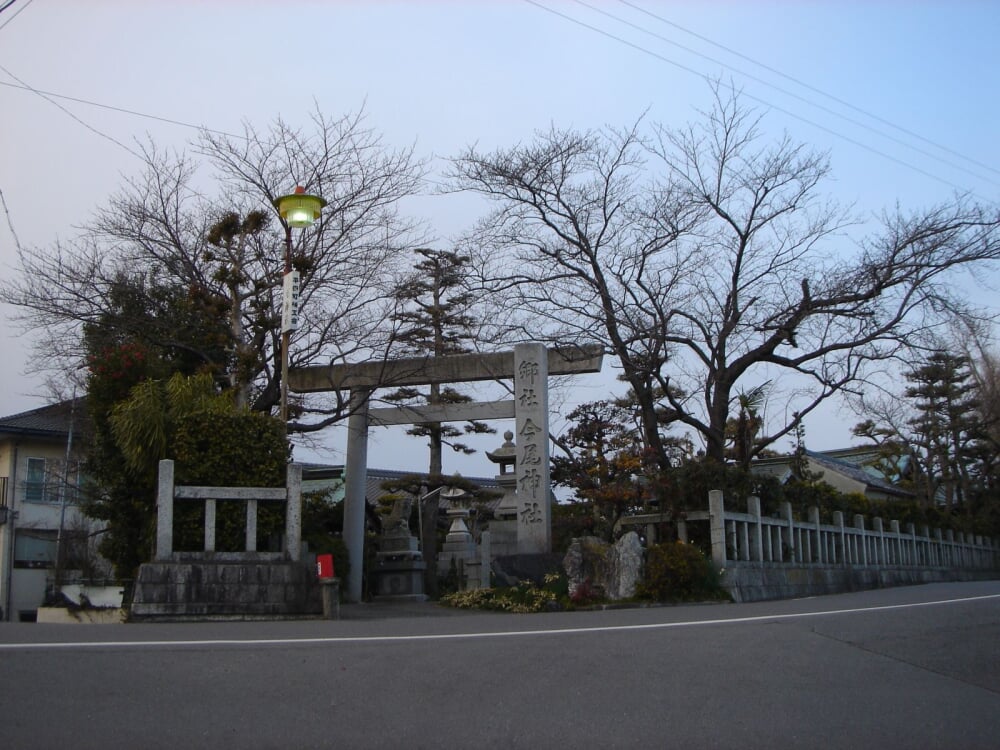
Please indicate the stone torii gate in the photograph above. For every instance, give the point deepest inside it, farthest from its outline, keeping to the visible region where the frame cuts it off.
(529, 365)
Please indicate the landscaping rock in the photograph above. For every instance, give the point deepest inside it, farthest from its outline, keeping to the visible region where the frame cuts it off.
(604, 569)
(624, 567)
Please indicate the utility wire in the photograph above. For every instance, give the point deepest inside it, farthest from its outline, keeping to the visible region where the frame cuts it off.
(10, 222)
(87, 125)
(792, 94)
(814, 89)
(757, 99)
(16, 14)
(167, 120)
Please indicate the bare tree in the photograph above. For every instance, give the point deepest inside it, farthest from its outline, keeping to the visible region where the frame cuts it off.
(707, 261)
(217, 237)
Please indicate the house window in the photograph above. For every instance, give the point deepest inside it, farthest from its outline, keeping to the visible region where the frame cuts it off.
(34, 484)
(35, 548)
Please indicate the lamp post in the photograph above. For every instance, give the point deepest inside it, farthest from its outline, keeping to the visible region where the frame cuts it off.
(296, 210)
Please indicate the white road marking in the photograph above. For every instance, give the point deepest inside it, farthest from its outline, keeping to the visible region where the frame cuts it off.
(460, 636)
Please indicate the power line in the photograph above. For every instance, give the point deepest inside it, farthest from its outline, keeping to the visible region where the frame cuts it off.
(808, 86)
(16, 14)
(112, 108)
(10, 222)
(87, 125)
(771, 106)
(792, 94)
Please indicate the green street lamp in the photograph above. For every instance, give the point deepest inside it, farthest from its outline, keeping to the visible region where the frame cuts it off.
(298, 210)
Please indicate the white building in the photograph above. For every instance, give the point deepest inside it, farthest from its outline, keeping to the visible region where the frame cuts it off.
(39, 512)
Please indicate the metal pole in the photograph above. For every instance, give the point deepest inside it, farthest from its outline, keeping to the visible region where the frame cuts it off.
(285, 334)
(62, 496)
(12, 520)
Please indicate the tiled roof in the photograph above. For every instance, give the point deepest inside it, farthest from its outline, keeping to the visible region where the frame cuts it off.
(856, 472)
(375, 477)
(849, 463)
(48, 421)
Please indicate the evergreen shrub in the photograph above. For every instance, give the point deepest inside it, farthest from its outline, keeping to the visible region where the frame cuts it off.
(676, 571)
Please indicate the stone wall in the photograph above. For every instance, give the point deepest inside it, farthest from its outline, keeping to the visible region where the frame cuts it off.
(230, 589)
(752, 582)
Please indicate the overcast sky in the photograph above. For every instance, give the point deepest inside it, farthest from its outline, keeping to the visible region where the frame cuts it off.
(904, 96)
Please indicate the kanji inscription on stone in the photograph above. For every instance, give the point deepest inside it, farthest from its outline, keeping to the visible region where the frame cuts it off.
(532, 431)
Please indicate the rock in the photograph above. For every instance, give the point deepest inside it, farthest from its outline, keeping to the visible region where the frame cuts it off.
(609, 570)
(624, 567)
(586, 564)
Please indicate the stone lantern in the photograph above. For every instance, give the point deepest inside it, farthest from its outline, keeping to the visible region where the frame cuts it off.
(503, 527)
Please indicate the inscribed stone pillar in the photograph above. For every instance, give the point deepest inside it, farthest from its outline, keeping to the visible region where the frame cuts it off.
(531, 415)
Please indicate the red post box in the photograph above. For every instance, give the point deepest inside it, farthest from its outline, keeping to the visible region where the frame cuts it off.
(324, 566)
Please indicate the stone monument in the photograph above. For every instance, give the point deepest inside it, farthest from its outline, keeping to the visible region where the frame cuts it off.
(399, 565)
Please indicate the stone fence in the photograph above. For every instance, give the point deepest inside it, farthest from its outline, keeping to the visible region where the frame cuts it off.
(764, 557)
(290, 495)
(226, 584)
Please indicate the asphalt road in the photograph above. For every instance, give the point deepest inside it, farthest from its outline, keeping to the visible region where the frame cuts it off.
(913, 668)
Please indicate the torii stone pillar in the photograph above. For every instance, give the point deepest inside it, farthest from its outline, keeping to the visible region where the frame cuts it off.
(529, 365)
(355, 485)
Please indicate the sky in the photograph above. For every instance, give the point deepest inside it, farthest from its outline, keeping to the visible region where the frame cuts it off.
(903, 96)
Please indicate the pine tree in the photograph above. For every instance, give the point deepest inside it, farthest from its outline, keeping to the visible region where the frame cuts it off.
(945, 428)
(435, 320)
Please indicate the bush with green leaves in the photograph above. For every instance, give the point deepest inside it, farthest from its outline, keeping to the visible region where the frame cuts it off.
(678, 572)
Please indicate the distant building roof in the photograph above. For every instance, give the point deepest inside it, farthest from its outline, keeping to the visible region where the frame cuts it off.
(866, 474)
(375, 477)
(51, 421)
(854, 463)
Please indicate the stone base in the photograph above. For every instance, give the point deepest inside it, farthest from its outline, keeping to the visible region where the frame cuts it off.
(224, 588)
(465, 552)
(400, 579)
(503, 537)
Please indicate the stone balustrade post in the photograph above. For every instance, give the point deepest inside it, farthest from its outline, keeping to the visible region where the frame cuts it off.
(682, 532)
(880, 558)
(841, 551)
(251, 534)
(293, 512)
(717, 521)
(859, 524)
(209, 525)
(786, 513)
(756, 539)
(165, 510)
(896, 542)
(911, 543)
(819, 555)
